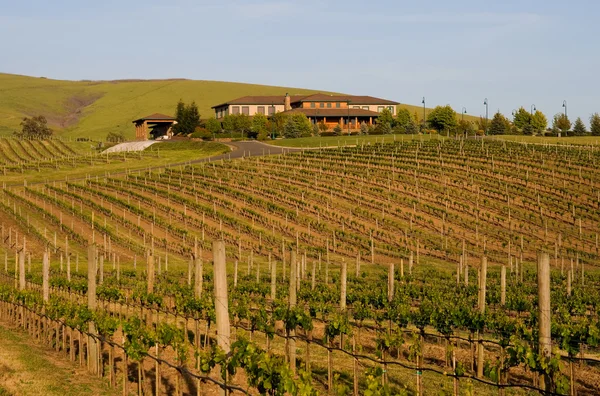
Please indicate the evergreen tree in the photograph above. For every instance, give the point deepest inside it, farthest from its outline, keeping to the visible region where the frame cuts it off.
(187, 117)
(579, 128)
(499, 125)
(595, 124)
(337, 130)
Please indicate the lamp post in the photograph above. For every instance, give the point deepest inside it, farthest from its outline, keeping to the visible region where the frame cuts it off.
(485, 102)
(531, 118)
(424, 122)
(464, 111)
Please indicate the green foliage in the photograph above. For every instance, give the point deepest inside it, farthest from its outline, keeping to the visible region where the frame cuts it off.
(364, 128)
(201, 133)
(403, 118)
(385, 117)
(579, 128)
(323, 127)
(539, 121)
(465, 128)
(337, 130)
(521, 118)
(561, 122)
(500, 125)
(595, 124)
(213, 125)
(442, 118)
(297, 125)
(115, 137)
(237, 123)
(259, 125)
(34, 128)
(187, 117)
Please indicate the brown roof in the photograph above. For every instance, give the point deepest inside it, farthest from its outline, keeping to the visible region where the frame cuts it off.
(345, 112)
(319, 97)
(261, 100)
(156, 116)
(356, 99)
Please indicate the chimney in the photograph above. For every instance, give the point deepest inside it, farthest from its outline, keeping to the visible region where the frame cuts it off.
(287, 104)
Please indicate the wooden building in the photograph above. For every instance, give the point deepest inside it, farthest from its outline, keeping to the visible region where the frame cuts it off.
(153, 126)
(347, 110)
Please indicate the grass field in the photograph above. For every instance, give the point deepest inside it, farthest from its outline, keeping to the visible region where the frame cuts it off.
(586, 140)
(94, 108)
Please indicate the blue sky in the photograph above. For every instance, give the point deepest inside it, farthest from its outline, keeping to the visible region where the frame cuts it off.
(515, 53)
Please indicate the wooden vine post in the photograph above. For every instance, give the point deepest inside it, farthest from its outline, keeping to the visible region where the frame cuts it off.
(292, 304)
(45, 277)
(92, 343)
(221, 302)
(198, 276)
(343, 278)
(545, 337)
(273, 280)
(482, 287)
(503, 285)
(150, 272)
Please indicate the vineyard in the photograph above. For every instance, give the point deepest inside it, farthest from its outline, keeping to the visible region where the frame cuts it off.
(414, 267)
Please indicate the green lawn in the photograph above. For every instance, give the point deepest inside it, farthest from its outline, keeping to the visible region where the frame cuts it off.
(157, 155)
(345, 140)
(585, 140)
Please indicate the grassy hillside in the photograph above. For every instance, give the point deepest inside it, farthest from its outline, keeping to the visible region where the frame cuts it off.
(94, 108)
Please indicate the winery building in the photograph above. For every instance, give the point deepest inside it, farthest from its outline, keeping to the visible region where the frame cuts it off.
(349, 111)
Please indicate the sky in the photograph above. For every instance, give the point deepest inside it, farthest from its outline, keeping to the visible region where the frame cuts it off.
(512, 52)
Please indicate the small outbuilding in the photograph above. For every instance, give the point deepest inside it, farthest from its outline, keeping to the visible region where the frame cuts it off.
(154, 126)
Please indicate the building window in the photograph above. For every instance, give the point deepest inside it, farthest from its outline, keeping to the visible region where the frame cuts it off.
(313, 105)
(245, 110)
(235, 109)
(380, 109)
(356, 107)
(260, 109)
(271, 110)
(321, 105)
(338, 105)
(391, 109)
(328, 105)
(365, 107)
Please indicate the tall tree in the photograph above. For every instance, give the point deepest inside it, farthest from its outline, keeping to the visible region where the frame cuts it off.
(539, 122)
(465, 128)
(34, 128)
(579, 128)
(403, 117)
(385, 117)
(561, 122)
(442, 118)
(499, 125)
(595, 124)
(187, 117)
(259, 124)
(213, 125)
(521, 118)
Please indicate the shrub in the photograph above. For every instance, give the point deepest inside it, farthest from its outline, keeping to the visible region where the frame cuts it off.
(201, 133)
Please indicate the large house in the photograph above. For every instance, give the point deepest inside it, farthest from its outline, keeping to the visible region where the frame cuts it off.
(348, 111)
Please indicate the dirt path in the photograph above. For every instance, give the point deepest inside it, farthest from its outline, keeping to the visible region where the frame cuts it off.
(27, 368)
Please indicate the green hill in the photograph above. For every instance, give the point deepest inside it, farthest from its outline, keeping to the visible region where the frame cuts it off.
(94, 108)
